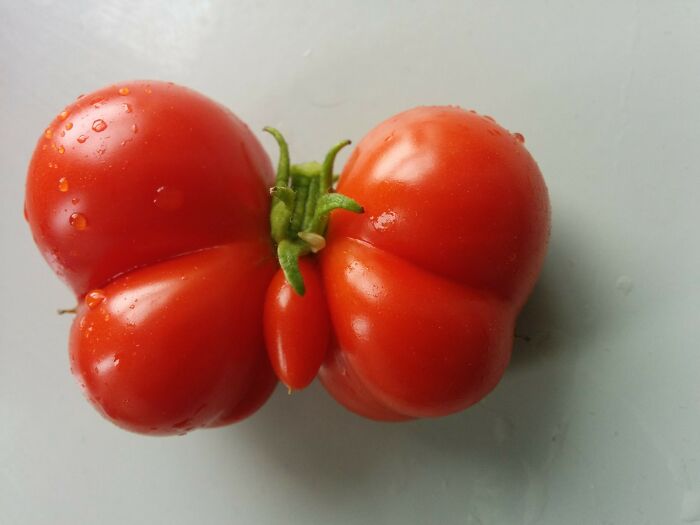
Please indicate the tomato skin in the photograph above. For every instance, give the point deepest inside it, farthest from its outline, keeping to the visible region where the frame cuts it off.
(424, 288)
(176, 345)
(452, 192)
(341, 381)
(171, 172)
(158, 197)
(424, 349)
(297, 328)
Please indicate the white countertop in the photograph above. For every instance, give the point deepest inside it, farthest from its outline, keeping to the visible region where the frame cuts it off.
(597, 420)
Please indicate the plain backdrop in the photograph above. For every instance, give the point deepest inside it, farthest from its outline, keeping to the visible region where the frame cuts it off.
(597, 420)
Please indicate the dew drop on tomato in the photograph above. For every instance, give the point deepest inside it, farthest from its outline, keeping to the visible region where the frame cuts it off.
(82, 138)
(61, 149)
(127, 107)
(78, 221)
(519, 137)
(99, 125)
(63, 115)
(94, 298)
(48, 133)
(63, 184)
(75, 200)
(69, 125)
(134, 128)
(168, 199)
(124, 91)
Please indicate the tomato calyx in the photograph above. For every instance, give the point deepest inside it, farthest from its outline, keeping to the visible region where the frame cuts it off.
(302, 200)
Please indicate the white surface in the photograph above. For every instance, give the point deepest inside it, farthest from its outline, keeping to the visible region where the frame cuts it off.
(597, 421)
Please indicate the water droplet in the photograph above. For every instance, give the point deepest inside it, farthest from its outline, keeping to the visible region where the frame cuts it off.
(78, 221)
(134, 128)
(519, 137)
(126, 107)
(132, 306)
(99, 125)
(63, 133)
(624, 284)
(63, 184)
(63, 115)
(168, 199)
(48, 133)
(124, 91)
(107, 317)
(82, 138)
(389, 138)
(94, 298)
(69, 125)
(75, 200)
(383, 221)
(116, 361)
(148, 90)
(61, 149)
(80, 96)
(489, 118)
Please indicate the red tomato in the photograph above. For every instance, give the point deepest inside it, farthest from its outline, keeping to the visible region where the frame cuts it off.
(297, 328)
(423, 289)
(152, 203)
(157, 197)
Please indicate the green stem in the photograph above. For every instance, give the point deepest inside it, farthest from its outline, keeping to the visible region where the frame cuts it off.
(327, 169)
(300, 184)
(282, 178)
(311, 200)
(326, 204)
(282, 197)
(302, 200)
(288, 253)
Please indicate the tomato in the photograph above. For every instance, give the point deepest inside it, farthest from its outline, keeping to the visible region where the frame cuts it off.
(151, 202)
(424, 287)
(297, 328)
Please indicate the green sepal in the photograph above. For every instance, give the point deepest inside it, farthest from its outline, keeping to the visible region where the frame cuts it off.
(288, 253)
(326, 204)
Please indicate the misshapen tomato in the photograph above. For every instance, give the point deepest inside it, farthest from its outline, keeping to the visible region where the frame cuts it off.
(423, 289)
(152, 203)
(155, 199)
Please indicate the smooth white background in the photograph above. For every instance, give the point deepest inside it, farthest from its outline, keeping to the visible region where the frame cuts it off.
(597, 421)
